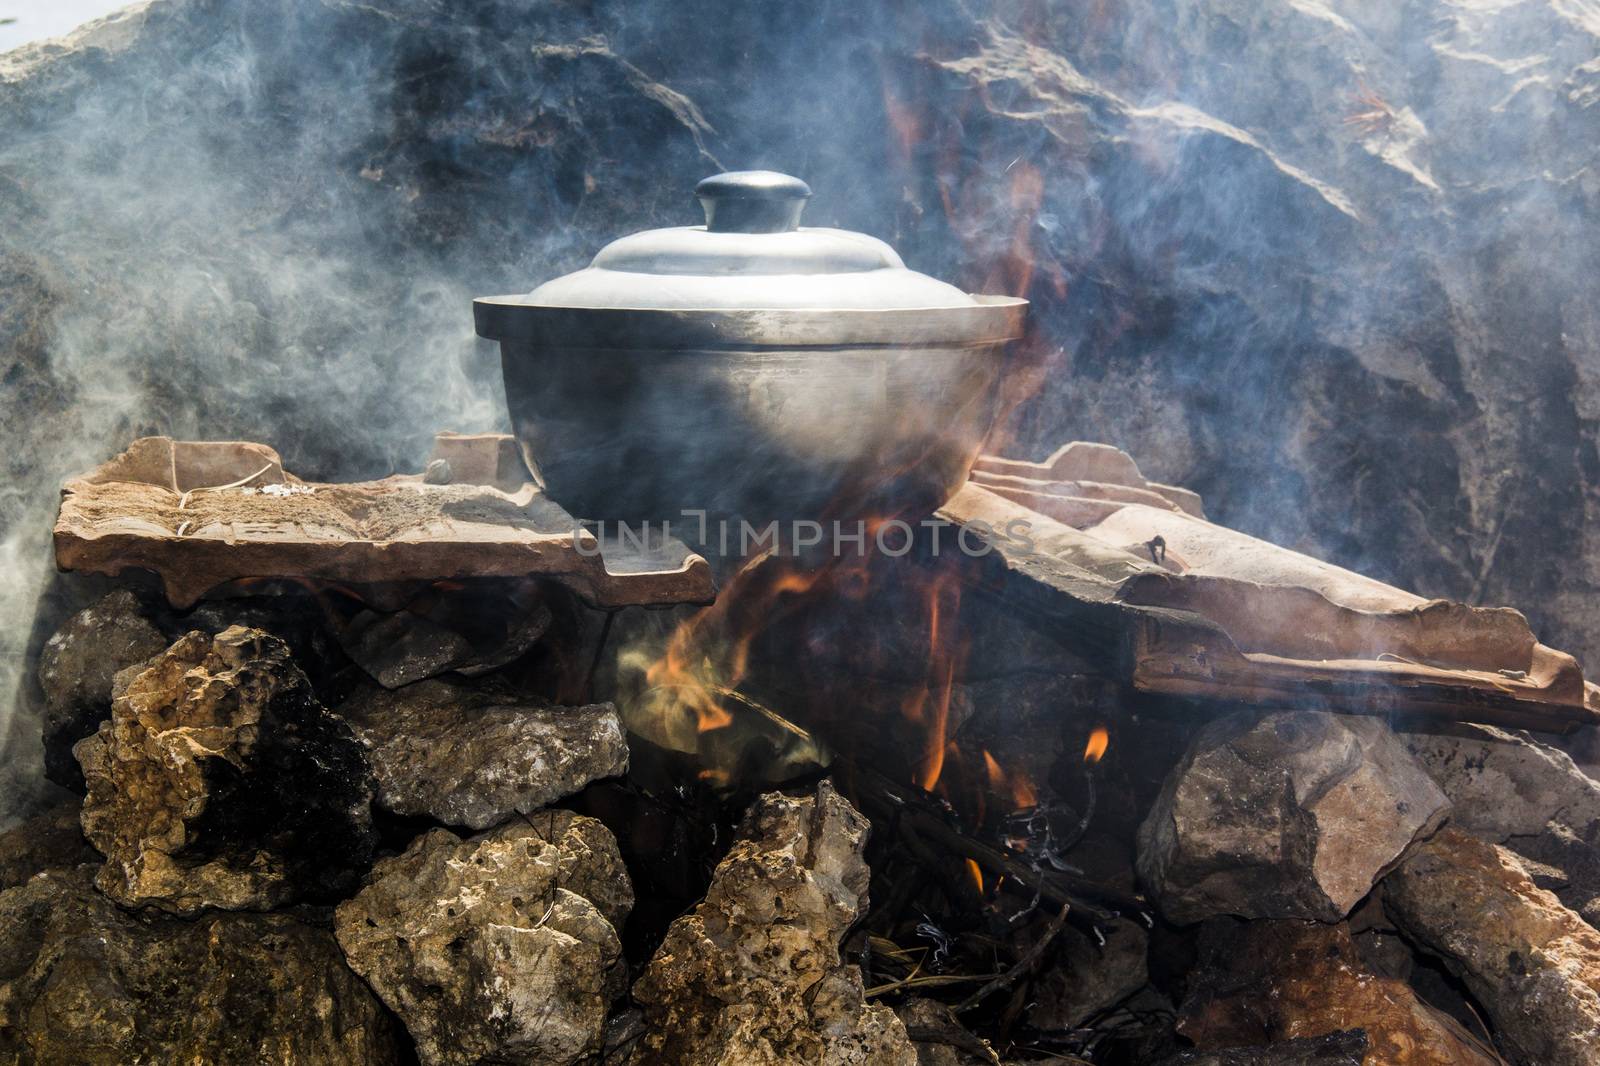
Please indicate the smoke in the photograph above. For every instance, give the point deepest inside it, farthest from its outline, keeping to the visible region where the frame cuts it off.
(1328, 264)
(264, 221)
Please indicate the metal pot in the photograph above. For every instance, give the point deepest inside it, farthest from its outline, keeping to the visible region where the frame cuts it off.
(750, 367)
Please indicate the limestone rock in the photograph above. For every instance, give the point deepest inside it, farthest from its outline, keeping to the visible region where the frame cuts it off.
(467, 756)
(51, 840)
(1533, 964)
(76, 668)
(1567, 863)
(1504, 783)
(753, 975)
(1261, 982)
(88, 983)
(1508, 788)
(499, 948)
(220, 782)
(1295, 814)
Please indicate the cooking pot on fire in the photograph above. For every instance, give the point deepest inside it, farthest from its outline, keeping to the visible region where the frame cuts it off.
(750, 367)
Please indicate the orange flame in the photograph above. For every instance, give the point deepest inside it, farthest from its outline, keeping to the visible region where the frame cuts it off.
(1022, 794)
(696, 684)
(1015, 783)
(1099, 741)
(708, 654)
(976, 873)
(944, 596)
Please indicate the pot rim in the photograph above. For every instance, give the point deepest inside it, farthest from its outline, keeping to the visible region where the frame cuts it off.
(990, 321)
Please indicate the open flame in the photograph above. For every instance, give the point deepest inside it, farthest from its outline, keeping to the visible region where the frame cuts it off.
(943, 602)
(1099, 741)
(708, 655)
(891, 649)
(975, 872)
(1014, 784)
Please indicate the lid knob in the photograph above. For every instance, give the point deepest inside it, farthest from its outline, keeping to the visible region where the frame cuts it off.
(752, 201)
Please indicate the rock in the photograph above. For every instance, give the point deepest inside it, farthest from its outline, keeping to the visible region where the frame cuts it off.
(397, 649)
(753, 975)
(1533, 964)
(88, 983)
(1266, 981)
(1566, 863)
(1089, 976)
(471, 635)
(48, 841)
(1508, 788)
(1337, 1049)
(76, 668)
(1504, 783)
(499, 948)
(220, 782)
(941, 1039)
(469, 756)
(1295, 814)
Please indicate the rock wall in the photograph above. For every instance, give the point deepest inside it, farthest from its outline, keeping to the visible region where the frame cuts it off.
(1327, 264)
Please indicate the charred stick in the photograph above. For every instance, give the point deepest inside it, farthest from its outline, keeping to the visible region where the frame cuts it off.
(956, 889)
(910, 808)
(1046, 883)
(1088, 812)
(1022, 966)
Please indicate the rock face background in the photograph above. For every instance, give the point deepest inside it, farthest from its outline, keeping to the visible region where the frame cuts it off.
(1327, 263)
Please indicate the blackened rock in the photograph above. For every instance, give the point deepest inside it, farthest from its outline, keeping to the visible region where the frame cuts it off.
(88, 983)
(76, 668)
(1090, 974)
(939, 1036)
(221, 782)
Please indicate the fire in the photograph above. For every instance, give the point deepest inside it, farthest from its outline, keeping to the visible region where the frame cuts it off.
(708, 655)
(1022, 794)
(1014, 784)
(701, 688)
(1099, 741)
(975, 872)
(943, 599)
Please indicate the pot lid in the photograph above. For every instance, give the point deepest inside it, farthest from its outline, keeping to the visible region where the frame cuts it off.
(751, 253)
